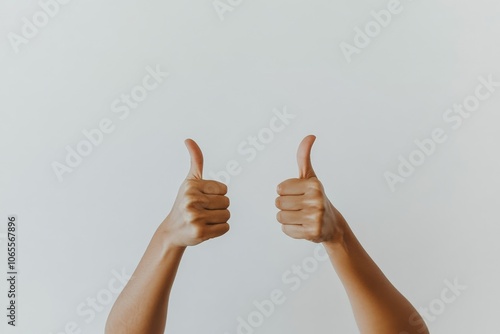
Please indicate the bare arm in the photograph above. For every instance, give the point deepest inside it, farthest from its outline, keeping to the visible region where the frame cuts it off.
(198, 214)
(142, 305)
(306, 213)
(378, 306)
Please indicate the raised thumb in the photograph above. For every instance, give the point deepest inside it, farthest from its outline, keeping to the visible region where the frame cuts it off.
(306, 170)
(196, 170)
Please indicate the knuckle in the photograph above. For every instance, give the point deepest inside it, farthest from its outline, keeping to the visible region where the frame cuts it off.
(316, 232)
(197, 232)
(190, 204)
(194, 199)
(315, 184)
(193, 216)
(315, 192)
(317, 217)
(277, 202)
(203, 200)
(319, 205)
(190, 196)
(189, 184)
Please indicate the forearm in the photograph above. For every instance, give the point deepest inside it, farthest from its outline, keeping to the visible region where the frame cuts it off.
(379, 308)
(200, 212)
(142, 305)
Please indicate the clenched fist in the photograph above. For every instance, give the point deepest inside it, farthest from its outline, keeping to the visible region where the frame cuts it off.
(200, 209)
(305, 211)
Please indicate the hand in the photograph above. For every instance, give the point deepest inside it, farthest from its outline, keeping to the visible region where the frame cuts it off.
(305, 211)
(200, 209)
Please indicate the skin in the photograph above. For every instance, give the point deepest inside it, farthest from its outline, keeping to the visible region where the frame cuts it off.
(200, 213)
(307, 213)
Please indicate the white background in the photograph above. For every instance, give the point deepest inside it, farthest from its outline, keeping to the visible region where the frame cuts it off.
(226, 77)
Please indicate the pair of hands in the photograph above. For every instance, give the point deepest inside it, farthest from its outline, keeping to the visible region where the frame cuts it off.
(200, 211)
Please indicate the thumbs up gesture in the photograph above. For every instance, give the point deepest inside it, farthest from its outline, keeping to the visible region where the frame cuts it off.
(305, 211)
(200, 209)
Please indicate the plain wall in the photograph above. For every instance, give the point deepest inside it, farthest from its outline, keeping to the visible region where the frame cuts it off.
(227, 78)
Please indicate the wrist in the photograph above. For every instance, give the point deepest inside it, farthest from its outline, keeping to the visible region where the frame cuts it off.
(169, 250)
(340, 239)
(167, 242)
